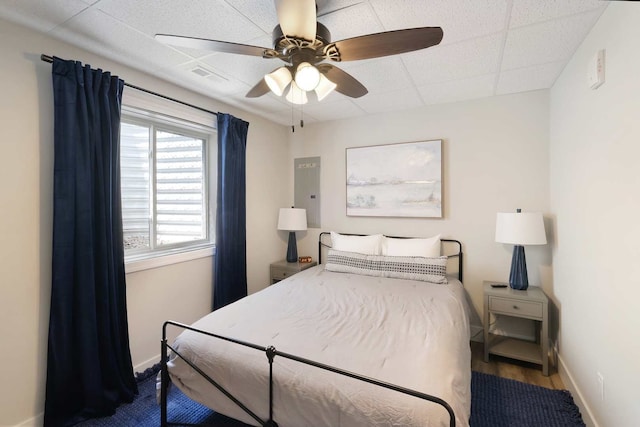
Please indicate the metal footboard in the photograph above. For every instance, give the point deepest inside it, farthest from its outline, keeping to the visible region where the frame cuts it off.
(270, 353)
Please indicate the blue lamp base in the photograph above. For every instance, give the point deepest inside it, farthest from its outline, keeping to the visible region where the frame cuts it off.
(518, 278)
(292, 248)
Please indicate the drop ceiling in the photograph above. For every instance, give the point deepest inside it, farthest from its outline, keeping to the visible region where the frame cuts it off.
(490, 47)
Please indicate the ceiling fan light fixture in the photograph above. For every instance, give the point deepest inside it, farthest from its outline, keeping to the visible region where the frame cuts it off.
(324, 88)
(278, 80)
(307, 76)
(296, 95)
(302, 43)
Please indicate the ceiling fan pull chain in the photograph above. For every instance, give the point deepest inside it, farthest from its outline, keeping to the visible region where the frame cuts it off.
(293, 128)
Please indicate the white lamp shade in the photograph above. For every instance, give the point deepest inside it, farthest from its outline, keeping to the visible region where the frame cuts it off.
(307, 76)
(292, 219)
(324, 88)
(278, 80)
(296, 95)
(524, 228)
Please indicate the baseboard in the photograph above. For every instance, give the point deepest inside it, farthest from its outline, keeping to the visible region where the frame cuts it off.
(578, 398)
(36, 421)
(146, 364)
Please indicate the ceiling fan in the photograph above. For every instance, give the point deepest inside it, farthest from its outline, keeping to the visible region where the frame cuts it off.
(303, 44)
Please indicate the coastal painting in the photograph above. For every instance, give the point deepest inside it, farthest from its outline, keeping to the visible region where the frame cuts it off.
(395, 180)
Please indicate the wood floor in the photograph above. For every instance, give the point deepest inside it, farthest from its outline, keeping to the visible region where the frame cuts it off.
(513, 369)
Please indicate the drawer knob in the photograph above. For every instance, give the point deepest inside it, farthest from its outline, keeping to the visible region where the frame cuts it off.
(515, 307)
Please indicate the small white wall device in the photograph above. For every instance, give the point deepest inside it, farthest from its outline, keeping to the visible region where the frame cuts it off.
(595, 76)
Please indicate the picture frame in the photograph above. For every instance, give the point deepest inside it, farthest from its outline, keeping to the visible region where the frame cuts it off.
(395, 180)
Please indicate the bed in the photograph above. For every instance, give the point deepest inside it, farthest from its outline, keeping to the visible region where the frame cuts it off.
(332, 347)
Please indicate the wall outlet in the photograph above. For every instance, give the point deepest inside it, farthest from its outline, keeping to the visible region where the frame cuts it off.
(601, 385)
(595, 75)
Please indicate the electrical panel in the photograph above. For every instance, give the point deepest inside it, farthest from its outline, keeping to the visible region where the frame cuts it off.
(307, 188)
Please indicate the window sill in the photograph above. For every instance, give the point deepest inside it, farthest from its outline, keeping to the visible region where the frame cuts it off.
(161, 261)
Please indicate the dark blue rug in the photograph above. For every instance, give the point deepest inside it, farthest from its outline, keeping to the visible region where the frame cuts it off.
(495, 402)
(500, 402)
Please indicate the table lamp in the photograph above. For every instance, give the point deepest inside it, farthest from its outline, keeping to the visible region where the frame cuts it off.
(292, 220)
(519, 229)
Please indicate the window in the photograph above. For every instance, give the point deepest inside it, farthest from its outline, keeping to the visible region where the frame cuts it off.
(165, 184)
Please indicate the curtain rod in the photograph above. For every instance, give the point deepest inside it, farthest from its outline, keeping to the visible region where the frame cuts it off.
(49, 59)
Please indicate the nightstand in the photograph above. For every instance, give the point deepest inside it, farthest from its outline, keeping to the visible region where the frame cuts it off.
(530, 304)
(282, 269)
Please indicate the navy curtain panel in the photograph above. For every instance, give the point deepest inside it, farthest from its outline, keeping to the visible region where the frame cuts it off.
(89, 369)
(230, 276)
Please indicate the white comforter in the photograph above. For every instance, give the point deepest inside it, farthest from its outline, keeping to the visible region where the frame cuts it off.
(409, 333)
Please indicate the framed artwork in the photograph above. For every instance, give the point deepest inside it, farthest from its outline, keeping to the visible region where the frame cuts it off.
(395, 180)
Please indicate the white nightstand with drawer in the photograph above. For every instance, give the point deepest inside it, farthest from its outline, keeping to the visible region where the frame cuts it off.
(280, 270)
(530, 304)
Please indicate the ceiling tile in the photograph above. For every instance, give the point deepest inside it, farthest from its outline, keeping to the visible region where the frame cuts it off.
(209, 19)
(267, 103)
(262, 13)
(217, 82)
(389, 101)
(453, 62)
(381, 74)
(329, 7)
(529, 78)
(97, 32)
(354, 21)
(41, 15)
(459, 90)
(550, 41)
(248, 69)
(459, 19)
(334, 107)
(525, 12)
(283, 109)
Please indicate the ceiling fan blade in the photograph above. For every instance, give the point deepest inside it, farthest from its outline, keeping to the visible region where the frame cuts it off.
(215, 45)
(346, 83)
(297, 18)
(387, 43)
(261, 88)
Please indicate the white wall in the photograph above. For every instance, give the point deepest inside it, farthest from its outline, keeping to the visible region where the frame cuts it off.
(180, 292)
(595, 198)
(495, 158)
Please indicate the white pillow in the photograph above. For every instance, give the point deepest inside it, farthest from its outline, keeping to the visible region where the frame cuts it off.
(429, 248)
(368, 245)
(432, 270)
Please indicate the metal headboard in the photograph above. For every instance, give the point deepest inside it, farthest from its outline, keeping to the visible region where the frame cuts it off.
(458, 255)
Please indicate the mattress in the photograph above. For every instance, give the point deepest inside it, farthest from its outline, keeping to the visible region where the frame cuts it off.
(410, 333)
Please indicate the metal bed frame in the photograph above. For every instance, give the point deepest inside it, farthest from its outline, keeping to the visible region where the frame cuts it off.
(271, 353)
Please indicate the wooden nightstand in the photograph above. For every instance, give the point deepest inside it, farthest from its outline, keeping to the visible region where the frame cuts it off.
(530, 304)
(282, 269)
